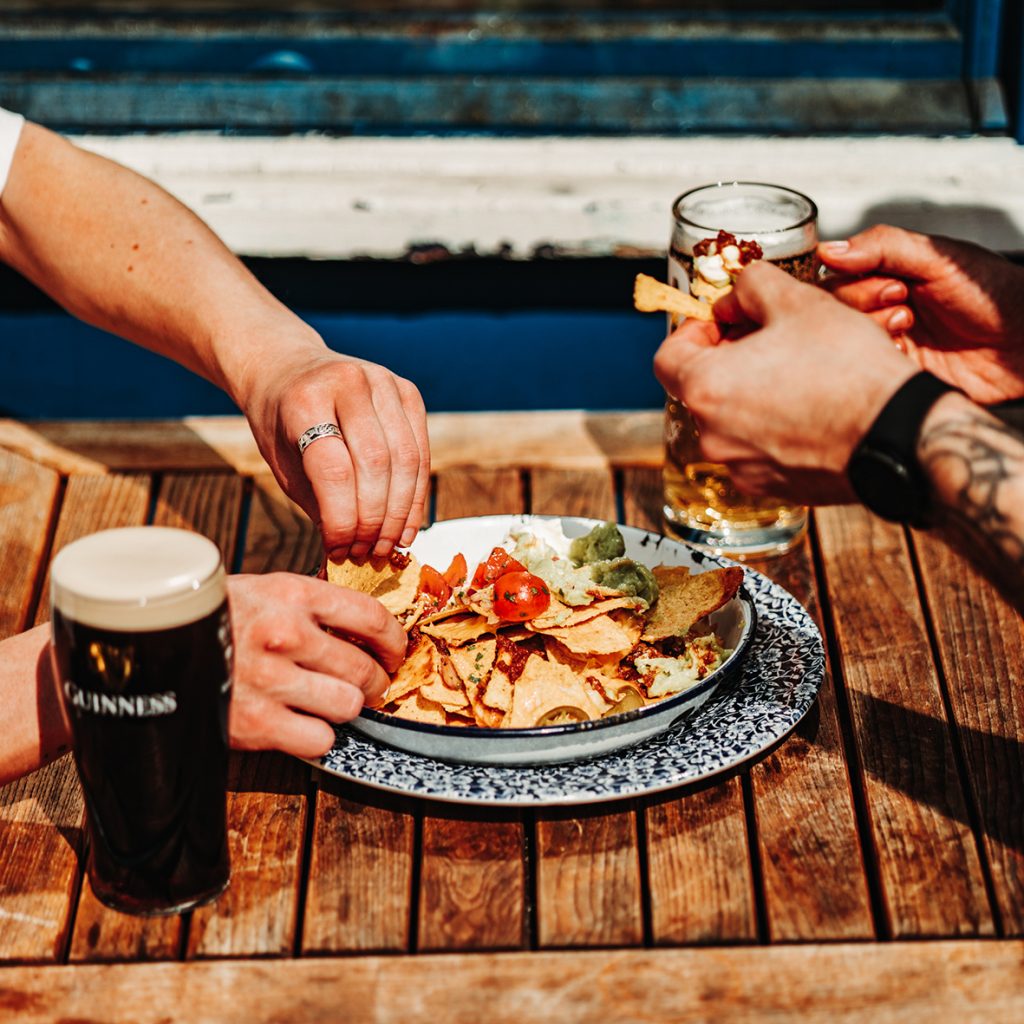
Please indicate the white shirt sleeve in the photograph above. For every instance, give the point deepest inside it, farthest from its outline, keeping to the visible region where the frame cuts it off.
(10, 132)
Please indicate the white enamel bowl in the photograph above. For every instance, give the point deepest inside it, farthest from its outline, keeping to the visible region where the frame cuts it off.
(475, 538)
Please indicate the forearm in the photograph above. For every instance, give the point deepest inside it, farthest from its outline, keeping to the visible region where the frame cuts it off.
(975, 464)
(31, 722)
(119, 252)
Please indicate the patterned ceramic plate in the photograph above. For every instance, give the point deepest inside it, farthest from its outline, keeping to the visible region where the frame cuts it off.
(781, 674)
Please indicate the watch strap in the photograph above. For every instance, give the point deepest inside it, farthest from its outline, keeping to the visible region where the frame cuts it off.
(889, 451)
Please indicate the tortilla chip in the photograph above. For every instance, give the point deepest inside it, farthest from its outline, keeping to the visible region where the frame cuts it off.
(422, 666)
(459, 631)
(474, 661)
(566, 616)
(498, 692)
(599, 635)
(394, 587)
(685, 599)
(546, 687)
(418, 709)
(448, 697)
(651, 296)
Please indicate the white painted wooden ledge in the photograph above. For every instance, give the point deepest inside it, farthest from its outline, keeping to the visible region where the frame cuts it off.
(385, 197)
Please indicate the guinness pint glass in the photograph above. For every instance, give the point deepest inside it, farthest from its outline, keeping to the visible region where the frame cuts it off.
(142, 656)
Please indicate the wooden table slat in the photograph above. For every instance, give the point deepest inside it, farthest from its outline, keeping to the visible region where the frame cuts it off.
(28, 496)
(360, 886)
(858, 983)
(589, 890)
(700, 875)
(565, 439)
(921, 832)
(981, 645)
(473, 876)
(812, 863)
(42, 822)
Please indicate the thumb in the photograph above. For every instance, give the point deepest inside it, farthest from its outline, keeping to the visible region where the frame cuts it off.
(760, 293)
(884, 249)
(674, 358)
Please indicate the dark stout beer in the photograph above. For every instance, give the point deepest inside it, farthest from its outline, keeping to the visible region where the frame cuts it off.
(142, 653)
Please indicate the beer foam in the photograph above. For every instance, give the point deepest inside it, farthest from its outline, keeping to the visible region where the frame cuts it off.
(138, 578)
(780, 220)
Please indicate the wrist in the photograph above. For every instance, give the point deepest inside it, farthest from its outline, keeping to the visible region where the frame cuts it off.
(250, 359)
(886, 469)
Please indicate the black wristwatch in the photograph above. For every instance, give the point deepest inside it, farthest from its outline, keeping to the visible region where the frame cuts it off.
(884, 470)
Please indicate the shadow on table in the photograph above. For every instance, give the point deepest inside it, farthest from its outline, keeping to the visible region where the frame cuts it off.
(916, 760)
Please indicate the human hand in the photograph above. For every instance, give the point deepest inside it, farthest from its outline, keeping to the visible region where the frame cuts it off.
(784, 406)
(292, 678)
(955, 308)
(366, 490)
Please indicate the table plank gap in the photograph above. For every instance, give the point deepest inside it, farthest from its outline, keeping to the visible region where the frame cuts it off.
(359, 890)
(472, 882)
(810, 841)
(261, 530)
(916, 806)
(613, 913)
(979, 642)
(208, 504)
(700, 875)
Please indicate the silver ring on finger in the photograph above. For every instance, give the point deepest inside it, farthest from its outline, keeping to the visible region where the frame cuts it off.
(317, 431)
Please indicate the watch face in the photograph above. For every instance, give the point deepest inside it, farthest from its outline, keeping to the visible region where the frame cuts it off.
(887, 486)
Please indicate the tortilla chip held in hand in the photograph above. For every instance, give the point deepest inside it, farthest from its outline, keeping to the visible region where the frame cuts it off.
(392, 580)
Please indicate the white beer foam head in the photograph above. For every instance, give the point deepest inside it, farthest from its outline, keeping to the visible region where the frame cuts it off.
(780, 220)
(138, 578)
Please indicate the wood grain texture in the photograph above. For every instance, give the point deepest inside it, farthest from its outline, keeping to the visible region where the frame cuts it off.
(94, 503)
(278, 536)
(28, 495)
(981, 645)
(922, 836)
(588, 866)
(812, 864)
(42, 817)
(472, 868)
(569, 439)
(359, 892)
(894, 983)
(699, 868)
(257, 914)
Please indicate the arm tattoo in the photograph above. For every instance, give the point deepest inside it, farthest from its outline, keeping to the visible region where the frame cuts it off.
(976, 467)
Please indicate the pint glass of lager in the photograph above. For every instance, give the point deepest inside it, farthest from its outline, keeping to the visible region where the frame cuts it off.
(765, 222)
(142, 656)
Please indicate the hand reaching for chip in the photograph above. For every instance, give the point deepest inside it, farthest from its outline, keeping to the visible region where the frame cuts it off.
(293, 678)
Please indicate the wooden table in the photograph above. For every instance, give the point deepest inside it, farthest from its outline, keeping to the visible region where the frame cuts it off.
(848, 876)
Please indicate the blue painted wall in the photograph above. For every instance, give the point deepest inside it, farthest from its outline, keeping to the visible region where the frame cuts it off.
(52, 366)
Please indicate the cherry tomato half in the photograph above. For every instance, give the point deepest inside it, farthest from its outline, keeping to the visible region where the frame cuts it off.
(497, 563)
(519, 596)
(434, 584)
(455, 574)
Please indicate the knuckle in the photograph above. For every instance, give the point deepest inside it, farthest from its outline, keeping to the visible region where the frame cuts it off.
(376, 457)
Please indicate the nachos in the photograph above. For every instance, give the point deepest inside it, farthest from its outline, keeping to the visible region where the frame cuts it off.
(545, 630)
